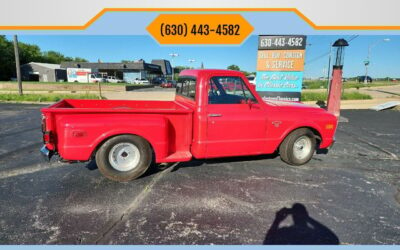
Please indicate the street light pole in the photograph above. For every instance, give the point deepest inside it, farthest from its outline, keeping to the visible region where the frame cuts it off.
(173, 55)
(191, 61)
(367, 62)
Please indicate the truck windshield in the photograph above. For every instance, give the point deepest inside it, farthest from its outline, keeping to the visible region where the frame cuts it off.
(229, 90)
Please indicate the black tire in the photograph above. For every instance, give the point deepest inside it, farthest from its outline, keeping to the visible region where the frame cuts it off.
(105, 166)
(287, 147)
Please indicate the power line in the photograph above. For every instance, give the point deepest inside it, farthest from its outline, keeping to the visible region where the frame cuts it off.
(317, 58)
(351, 38)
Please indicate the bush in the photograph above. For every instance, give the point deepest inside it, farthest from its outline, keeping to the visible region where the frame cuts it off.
(322, 96)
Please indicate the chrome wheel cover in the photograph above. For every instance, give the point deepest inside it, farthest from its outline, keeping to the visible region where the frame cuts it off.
(124, 156)
(302, 147)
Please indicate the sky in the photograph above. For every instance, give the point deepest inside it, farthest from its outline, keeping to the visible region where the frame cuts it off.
(110, 48)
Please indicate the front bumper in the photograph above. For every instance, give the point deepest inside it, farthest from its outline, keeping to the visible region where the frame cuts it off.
(333, 142)
(46, 153)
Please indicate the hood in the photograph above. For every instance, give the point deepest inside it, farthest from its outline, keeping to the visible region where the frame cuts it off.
(294, 106)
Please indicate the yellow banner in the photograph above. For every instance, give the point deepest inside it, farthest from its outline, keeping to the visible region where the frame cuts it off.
(200, 29)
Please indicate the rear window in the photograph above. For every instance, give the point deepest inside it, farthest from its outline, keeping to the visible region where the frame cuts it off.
(186, 86)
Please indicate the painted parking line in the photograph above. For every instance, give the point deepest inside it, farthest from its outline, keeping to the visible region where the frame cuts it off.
(28, 170)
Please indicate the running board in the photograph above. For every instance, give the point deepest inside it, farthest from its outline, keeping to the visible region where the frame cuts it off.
(179, 156)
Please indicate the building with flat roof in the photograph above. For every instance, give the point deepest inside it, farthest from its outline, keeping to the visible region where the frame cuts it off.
(127, 71)
(42, 72)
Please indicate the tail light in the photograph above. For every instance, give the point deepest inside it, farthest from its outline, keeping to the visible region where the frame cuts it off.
(43, 123)
(47, 137)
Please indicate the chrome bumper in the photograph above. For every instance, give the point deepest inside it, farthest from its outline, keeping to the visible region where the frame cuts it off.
(47, 154)
(333, 142)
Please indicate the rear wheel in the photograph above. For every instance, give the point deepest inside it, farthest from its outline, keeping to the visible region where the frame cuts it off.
(124, 157)
(298, 147)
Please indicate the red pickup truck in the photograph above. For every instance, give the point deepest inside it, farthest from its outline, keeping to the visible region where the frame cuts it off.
(207, 119)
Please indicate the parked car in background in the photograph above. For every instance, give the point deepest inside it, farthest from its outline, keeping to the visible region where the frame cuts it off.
(113, 79)
(141, 81)
(168, 84)
(96, 78)
(159, 81)
(362, 79)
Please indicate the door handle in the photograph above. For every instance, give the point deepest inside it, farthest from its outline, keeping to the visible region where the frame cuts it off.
(214, 115)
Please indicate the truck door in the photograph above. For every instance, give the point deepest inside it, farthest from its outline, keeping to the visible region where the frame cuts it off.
(236, 123)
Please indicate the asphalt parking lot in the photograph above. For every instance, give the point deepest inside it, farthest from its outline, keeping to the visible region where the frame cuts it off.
(349, 196)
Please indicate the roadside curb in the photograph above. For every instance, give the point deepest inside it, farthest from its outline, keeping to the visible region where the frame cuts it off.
(26, 102)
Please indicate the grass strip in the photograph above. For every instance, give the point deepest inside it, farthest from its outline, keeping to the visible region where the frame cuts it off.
(44, 97)
(317, 96)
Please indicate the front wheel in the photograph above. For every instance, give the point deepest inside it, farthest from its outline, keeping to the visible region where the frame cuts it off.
(298, 147)
(124, 157)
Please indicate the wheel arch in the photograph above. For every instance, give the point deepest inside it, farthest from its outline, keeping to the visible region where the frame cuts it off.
(103, 140)
(315, 131)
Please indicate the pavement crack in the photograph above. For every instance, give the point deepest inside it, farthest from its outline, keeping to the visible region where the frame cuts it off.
(136, 202)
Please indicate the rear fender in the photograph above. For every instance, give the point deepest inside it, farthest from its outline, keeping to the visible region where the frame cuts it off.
(93, 132)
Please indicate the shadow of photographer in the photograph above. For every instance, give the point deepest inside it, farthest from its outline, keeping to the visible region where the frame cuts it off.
(304, 230)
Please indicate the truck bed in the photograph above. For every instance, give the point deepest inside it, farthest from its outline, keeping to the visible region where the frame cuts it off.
(167, 125)
(117, 106)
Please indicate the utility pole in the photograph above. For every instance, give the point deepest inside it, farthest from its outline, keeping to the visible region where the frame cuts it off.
(329, 68)
(17, 64)
(367, 62)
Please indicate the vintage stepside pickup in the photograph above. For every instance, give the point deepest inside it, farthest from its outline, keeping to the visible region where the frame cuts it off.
(216, 113)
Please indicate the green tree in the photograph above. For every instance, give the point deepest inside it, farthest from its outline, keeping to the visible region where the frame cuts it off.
(233, 67)
(80, 59)
(7, 59)
(27, 53)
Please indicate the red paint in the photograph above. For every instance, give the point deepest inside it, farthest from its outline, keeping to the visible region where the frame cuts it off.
(180, 129)
(335, 92)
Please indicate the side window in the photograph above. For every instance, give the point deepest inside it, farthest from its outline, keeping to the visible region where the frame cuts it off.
(228, 90)
(186, 86)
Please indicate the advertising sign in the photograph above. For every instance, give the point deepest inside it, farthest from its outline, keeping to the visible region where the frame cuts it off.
(281, 96)
(279, 81)
(78, 74)
(280, 66)
(280, 60)
(281, 42)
